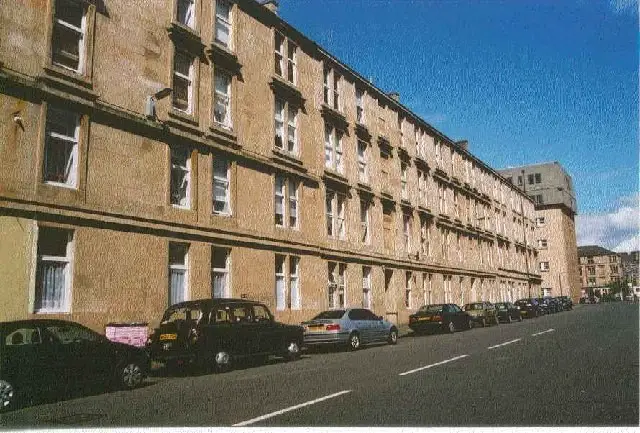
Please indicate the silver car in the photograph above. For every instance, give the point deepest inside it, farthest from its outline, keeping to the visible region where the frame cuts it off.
(352, 327)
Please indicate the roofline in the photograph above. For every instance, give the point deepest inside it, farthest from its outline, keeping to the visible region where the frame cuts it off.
(388, 99)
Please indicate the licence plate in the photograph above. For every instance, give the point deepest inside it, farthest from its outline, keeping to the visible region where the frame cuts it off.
(423, 319)
(164, 337)
(315, 328)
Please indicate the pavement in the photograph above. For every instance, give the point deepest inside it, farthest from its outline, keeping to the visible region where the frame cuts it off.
(575, 368)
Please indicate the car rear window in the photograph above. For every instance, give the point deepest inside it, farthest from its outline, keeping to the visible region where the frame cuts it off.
(182, 314)
(331, 314)
(431, 308)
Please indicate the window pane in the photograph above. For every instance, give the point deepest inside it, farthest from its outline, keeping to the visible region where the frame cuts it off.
(59, 163)
(222, 33)
(186, 12)
(182, 63)
(51, 286)
(177, 253)
(66, 47)
(280, 293)
(223, 9)
(177, 286)
(52, 241)
(219, 259)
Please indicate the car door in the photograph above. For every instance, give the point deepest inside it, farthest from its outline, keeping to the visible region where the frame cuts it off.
(359, 323)
(376, 325)
(244, 340)
(27, 360)
(458, 316)
(85, 356)
(270, 334)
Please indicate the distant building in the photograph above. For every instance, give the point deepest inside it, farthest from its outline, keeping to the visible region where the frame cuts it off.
(551, 189)
(630, 268)
(599, 267)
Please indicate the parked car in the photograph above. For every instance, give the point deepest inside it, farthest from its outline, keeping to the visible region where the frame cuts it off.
(38, 356)
(482, 313)
(507, 312)
(553, 304)
(544, 307)
(352, 327)
(567, 303)
(218, 332)
(448, 317)
(529, 307)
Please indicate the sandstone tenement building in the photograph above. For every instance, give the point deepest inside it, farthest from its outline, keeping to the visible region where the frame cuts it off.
(551, 188)
(166, 150)
(599, 267)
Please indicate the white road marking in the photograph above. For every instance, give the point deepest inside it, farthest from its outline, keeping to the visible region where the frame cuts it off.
(543, 332)
(504, 344)
(432, 365)
(289, 409)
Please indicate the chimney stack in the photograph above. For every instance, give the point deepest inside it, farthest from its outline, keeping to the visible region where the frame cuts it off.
(272, 5)
(395, 96)
(463, 144)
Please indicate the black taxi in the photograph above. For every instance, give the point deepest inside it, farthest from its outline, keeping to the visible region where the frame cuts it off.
(218, 332)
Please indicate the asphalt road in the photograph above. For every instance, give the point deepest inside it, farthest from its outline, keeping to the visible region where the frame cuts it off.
(570, 369)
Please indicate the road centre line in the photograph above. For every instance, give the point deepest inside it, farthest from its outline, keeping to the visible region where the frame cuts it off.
(504, 344)
(289, 409)
(432, 365)
(543, 332)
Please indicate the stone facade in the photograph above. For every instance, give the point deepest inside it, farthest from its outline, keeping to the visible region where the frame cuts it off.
(551, 189)
(599, 267)
(271, 171)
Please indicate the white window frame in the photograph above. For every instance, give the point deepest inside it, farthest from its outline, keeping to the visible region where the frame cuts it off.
(279, 49)
(544, 266)
(337, 289)
(333, 154)
(403, 180)
(331, 86)
(225, 23)
(188, 78)
(81, 34)
(289, 274)
(223, 182)
(366, 287)
(189, 6)
(291, 62)
(540, 222)
(335, 214)
(184, 268)
(223, 272)
(363, 155)
(56, 306)
(223, 98)
(54, 141)
(403, 144)
(286, 114)
(287, 195)
(186, 169)
(407, 222)
(422, 187)
(280, 276)
(360, 111)
(365, 235)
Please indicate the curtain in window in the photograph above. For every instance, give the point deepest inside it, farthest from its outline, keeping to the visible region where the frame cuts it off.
(177, 286)
(280, 293)
(219, 284)
(50, 293)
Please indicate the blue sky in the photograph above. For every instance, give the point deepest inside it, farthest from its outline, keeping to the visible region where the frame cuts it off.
(523, 81)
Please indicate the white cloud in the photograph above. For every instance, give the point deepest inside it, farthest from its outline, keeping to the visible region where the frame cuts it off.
(618, 230)
(622, 6)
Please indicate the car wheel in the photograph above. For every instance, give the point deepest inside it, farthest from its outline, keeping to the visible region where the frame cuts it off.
(483, 322)
(393, 336)
(222, 361)
(354, 341)
(7, 396)
(452, 327)
(131, 375)
(293, 351)
(509, 319)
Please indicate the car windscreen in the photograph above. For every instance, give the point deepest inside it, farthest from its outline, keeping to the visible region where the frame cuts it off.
(501, 306)
(469, 307)
(431, 309)
(182, 314)
(331, 314)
